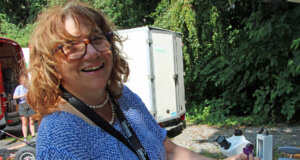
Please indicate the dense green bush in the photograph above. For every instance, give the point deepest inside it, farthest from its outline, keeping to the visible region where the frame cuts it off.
(241, 59)
(17, 17)
(128, 13)
(15, 32)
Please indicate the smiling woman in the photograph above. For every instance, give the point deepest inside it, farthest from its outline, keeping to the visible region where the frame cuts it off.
(88, 63)
(76, 86)
(57, 35)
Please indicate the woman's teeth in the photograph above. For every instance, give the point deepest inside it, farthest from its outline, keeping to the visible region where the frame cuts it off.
(92, 68)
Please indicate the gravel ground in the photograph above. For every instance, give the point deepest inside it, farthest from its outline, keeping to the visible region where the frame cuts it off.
(201, 138)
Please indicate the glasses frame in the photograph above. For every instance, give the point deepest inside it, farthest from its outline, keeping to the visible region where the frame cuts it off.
(86, 42)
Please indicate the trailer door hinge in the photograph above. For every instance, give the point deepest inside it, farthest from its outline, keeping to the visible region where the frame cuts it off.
(149, 41)
(175, 76)
(151, 77)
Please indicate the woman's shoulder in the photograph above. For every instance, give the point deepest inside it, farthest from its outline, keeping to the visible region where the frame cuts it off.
(61, 132)
(60, 121)
(57, 117)
(129, 95)
(58, 126)
(129, 99)
(126, 91)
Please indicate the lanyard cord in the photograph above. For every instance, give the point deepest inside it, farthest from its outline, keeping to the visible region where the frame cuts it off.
(134, 145)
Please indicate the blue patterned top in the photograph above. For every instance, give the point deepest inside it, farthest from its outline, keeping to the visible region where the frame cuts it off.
(20, 90)
(63, 135)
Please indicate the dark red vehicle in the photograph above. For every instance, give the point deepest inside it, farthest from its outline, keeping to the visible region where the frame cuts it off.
(12, 64)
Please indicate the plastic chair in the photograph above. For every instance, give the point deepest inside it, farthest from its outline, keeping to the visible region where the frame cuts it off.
(290, 152)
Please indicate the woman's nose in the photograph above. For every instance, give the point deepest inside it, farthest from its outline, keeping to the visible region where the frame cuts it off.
(91, 52)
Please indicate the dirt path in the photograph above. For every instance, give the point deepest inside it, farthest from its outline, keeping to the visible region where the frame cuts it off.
(201, 138)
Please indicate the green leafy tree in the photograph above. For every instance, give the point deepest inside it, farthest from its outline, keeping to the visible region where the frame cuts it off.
(236, 71)
(21, 12)
(128, 13)
(17, 17)
(12, 31)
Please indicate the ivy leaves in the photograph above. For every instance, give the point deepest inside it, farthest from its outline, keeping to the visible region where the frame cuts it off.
(241, 59)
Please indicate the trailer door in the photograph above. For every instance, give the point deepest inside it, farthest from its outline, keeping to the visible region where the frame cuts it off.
(164, 71)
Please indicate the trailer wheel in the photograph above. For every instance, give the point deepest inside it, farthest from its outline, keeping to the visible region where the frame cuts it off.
(26, 153)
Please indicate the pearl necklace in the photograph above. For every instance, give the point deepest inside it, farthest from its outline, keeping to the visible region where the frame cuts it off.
(112, 112)
(100, 105)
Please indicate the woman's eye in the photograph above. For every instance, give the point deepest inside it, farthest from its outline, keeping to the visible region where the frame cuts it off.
(75, 44)
(73, 47)
(98, 41)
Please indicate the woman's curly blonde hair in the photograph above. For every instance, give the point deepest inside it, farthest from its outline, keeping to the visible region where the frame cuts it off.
(44, 93)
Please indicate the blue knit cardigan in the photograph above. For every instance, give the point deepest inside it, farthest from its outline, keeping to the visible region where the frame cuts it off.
(63, 135)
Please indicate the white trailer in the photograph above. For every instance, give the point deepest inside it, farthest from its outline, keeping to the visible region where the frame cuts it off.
(156, 72)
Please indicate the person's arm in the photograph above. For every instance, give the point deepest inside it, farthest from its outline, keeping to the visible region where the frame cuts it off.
(19, 96)
(175, 152)
(19, 93)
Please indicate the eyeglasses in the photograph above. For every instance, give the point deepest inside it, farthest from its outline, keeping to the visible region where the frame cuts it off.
(77, 49)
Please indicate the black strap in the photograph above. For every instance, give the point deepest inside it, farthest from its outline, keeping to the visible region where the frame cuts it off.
(136, 147)
(133, 139)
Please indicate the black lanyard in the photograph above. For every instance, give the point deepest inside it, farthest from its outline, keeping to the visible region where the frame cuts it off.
(135, 145)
